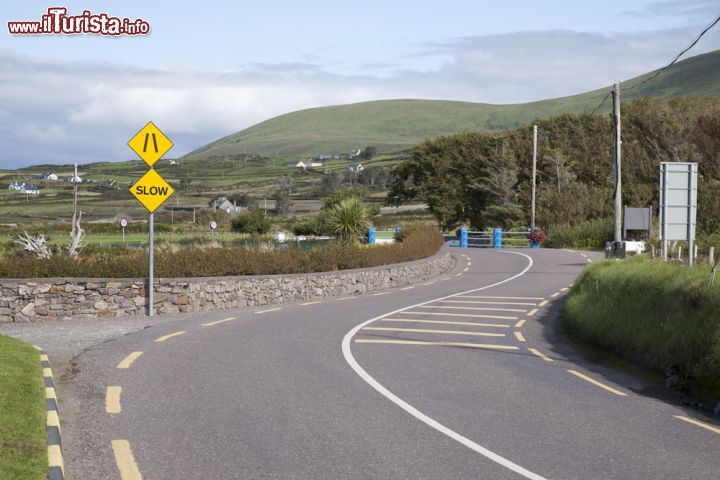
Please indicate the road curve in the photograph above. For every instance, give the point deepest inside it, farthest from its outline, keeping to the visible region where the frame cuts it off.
(462, 377)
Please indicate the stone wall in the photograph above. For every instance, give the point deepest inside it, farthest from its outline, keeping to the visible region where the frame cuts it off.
(34, 300)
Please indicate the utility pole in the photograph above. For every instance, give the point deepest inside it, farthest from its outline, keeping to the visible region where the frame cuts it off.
(534, 174)
(618, 162)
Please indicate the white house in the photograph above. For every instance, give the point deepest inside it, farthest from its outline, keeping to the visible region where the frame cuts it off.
(305, 164)
(49, 177)
(222, 203)
(354, 154)
(356, 167)
(72, 179)
(16, 186)
(30, 190)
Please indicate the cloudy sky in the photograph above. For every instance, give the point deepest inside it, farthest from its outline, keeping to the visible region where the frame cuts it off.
(212, 68)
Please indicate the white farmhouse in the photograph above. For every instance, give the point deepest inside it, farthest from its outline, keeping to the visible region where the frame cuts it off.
(356, 167)
(16, 186)
(30, 190)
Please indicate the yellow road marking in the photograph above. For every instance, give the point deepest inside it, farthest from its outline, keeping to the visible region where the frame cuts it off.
(520, 323)
(596, 383)
(564, 289)
(543, 303)
(471, 315)
(50, 393)
(112, 399)
(554, 294)
(165, 337)
(441, 322)
(466, 269)
(475, 302)
(310, 303)
(589, 261)
(408, 288)
(438, 344)
(47, 373)
(55, 458)
(698, 423)
(53, 420)
(342, 299)
(458, 274)
(380, 294)
(420, 330)
(486, 309)
(540, 354)
(443, 279)
(218, 322)
(469, 263)
(520, 337)
(532, 312)
(125, 460)
(269, 310)
(127, 361)
(499, 298)
(44, 358)
(429, 283)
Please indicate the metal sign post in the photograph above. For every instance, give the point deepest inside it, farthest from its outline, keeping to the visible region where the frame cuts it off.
(678, 204)
(151, 190)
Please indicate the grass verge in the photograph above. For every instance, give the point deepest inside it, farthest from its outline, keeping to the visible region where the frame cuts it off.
(654, 314)
(23, 435)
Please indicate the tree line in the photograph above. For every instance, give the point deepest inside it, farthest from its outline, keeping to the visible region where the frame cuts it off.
(484, 180)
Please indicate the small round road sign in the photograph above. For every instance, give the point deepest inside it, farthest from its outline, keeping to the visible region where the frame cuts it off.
(123, 222)
(213, 225)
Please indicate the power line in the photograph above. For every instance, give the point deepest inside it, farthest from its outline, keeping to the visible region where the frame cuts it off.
(677, 57)
(601, 103)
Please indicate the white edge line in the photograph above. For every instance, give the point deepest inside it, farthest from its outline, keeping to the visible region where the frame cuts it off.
(350, 359)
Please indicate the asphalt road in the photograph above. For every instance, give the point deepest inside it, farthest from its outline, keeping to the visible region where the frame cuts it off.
(462, 377)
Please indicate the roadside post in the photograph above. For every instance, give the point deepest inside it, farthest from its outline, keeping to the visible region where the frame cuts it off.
(497, 237)
(213, 226)
(371, 236)
(123, 224)
(150, 144)
(463, 237)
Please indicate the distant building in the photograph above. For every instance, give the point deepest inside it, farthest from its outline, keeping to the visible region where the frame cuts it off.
(109, 183)
(305, 164)
(30, 190)
(16, 186)
(324, 156)
(354, 154)
(222, 203)
(51, 177)
(173, 162)
(72, 179)
(356, 167)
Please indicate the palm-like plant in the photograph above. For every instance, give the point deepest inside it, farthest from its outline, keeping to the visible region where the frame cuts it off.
(347, 219)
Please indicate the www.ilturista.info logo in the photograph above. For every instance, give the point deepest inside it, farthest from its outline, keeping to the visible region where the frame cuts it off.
(58, 22)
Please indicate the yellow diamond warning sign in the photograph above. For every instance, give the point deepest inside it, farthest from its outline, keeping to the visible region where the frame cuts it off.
(151, 190)
(150, 144)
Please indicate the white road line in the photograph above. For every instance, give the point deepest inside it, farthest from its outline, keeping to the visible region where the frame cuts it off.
(532, 312)
(350, 359)
(309, 303)
(269, 310)
(422, 330)
(520, 323)
(218, 322)
(444, 322)
(380, 294)
(520, 337)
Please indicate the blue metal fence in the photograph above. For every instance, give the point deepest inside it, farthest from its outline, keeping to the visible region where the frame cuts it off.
(495, 238)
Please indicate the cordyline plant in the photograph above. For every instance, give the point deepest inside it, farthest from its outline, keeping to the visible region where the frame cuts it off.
(347, 220)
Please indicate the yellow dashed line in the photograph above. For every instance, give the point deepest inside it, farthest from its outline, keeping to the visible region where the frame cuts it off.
(564, 289)
(438, 344)
(543, 303)
(520, 323)
(540, 354)
(112, 399)
(445, 322)
(380, 294)
(269, 310)
(532, 312)
(50, 393)
(408, 288)
(554, 294)
(127, 361)
(165, 337)
(444, 332)
(520, 337)
(597, 384)
(471, 315)
(310, 303)
(218, 322)
(698, 423)
(125, 460)
(55, 458)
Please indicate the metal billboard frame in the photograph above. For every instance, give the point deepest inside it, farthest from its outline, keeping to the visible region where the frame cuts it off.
(678, 204)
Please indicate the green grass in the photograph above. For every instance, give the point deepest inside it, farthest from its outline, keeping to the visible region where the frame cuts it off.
(399, 124)
(652, 313)
(23, 436)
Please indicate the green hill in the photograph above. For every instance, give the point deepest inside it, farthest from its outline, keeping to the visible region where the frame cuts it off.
(394, 124)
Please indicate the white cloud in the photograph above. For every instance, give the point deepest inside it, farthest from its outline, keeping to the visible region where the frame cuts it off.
(63, 112)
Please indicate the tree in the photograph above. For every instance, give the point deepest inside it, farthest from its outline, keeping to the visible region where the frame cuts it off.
(347, 219)
(283, 202)
(252, 221)
(369, 152)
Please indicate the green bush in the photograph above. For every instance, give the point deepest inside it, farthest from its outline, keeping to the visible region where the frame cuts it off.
(653, 313)
(251, 221)
(591, 234)
(225, 261)
(307, 227)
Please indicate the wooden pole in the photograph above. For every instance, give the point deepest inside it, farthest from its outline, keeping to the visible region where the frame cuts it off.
(534, 175)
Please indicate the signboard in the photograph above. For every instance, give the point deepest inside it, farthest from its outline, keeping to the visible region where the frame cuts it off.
(678, 203)
(123, 222)
(150, 144)
(151, 190)
(213, 225)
